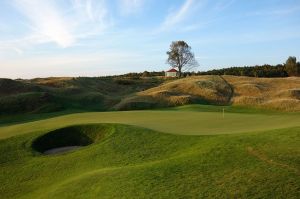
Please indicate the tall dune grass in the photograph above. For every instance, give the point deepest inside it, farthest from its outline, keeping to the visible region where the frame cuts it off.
(271, 93)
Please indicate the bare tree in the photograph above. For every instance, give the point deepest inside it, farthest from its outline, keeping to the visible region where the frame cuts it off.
(180, 56)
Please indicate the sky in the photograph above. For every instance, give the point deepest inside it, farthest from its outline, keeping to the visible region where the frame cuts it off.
(42, 38)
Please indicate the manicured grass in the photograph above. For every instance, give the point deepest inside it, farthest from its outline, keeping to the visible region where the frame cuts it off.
(132, 162)
(227, 109)
(28, 117)
(188, 122)
(246, 154)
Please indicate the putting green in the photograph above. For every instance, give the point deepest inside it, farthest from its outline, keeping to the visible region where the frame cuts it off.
(169, 121)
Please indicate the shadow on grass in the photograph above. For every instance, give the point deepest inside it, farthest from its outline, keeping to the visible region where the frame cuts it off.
(7, 120)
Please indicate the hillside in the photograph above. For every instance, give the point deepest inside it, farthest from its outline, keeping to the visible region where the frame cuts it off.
(43, 95)
(57, 94)
(202, 90)
(271, 93)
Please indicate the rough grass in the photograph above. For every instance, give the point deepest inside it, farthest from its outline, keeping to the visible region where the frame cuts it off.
(271, 93)
(132, 162)
(64, 93)
(10, 87)
(200, 89)
(100, 94)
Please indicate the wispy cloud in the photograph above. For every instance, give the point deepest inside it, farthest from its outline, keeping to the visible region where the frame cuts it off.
(196, 26)
(90, 10)
(128, 7)
(90, 17)
(223, 4)
(48, 22)
(45, 18)
(177, 16)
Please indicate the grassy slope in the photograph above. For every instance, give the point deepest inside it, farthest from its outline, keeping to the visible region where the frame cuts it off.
(103, 94)
(192, 90)
(57, 94)
(268, 93)
(134, 162)
(271, 93)
(190, 120)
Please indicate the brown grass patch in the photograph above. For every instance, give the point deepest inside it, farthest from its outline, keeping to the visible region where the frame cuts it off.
(200, 89)
(272, 93)
(52, 81)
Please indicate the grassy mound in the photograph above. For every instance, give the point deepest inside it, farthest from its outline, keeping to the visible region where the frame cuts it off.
(132, 162)
(202, 89)
(34, 102)
(271, 93)
(105, 94)
(268, 93)
(10, 87)
(63, 93)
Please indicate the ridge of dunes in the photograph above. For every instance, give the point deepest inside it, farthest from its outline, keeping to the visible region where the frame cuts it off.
(281, 94)
(44, 95)
(271, 93)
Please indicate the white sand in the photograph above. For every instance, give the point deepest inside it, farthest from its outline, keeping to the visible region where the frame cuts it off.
(61, 150)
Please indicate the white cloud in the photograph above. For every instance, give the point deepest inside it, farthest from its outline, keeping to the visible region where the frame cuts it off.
(45, 18)
(49, 22)
(90, 17)
(128, 7)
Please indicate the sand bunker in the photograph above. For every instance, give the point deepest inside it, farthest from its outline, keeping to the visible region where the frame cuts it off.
(66, 139)
(61, 150)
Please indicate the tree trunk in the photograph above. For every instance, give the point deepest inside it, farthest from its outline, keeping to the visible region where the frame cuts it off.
(179, 71)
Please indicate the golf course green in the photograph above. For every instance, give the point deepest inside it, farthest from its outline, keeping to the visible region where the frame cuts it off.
(193, 151)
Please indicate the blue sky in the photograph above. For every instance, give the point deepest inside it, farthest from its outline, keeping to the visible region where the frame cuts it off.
(40, 38)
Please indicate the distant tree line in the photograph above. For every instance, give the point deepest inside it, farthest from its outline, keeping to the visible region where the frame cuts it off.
(136, 75)
(290, 68)
(251, 71)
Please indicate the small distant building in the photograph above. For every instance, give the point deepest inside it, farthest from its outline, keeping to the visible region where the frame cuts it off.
(172, 73)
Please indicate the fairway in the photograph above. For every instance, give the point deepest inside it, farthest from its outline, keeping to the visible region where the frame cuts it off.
(175, 122)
